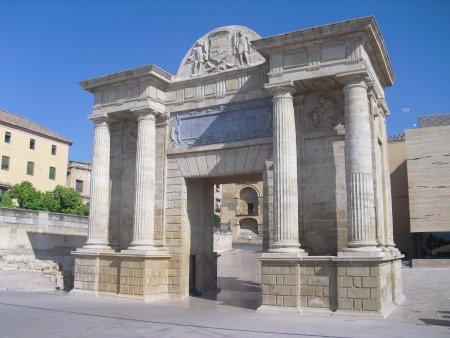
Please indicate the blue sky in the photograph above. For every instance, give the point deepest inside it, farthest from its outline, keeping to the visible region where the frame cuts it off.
(48, 47)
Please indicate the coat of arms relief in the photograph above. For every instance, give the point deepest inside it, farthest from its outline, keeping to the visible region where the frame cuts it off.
(222, 49)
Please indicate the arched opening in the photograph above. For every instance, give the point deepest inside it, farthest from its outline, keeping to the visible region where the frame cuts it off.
(249, 224)
(248, 201)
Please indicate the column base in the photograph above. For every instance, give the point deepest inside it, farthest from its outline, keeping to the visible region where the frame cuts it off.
(286, 247)
(97, 246)
(362, 249)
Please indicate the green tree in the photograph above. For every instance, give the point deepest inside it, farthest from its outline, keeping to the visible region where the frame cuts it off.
(6, 201)
(65, 200)
(26, 196)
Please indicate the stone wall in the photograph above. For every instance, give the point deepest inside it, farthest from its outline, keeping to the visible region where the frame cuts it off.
(428, 152)
(28, 237)
(400, 199)
(322, 186)
(431, 263)
(223, 241)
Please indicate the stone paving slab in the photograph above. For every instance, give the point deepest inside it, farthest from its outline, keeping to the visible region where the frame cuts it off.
(59, 314)
(11, 280)
(425, 313)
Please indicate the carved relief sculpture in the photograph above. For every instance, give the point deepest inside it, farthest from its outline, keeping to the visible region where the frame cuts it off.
(198, 56)
(223, 49)
(325, 115)
(242, 47)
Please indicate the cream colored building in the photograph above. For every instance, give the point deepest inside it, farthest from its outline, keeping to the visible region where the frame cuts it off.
(79, 178)
(420, 176)
(30, 152)
(241, 210)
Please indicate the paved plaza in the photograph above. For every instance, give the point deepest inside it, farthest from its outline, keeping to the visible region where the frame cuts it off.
(47, 313)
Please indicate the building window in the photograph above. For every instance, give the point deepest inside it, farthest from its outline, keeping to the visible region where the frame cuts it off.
(250, 209)
(32, 143)
(7, 137)
(79, 185)
(30, 168)
(53, 149)
(3, 190)
(52, 173)
(5, 162)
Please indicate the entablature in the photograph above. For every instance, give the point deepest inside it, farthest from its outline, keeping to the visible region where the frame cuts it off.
(315, 48)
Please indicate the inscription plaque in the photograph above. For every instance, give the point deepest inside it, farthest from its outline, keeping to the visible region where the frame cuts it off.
(226, 123)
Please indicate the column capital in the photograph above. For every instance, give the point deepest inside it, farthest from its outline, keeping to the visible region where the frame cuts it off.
(145, 113)
(355, 79)
(102, 118)
(284, 89)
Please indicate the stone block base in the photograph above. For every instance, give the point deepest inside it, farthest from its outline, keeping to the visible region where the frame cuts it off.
(356, 286)
(129, 275)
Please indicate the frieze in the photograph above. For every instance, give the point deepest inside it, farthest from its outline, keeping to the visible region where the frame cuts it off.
(221, 124)
(119, 93)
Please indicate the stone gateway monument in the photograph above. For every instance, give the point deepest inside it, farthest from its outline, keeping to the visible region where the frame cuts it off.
(303, 112)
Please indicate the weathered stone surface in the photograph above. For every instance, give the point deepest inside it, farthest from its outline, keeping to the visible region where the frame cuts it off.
(303, 112)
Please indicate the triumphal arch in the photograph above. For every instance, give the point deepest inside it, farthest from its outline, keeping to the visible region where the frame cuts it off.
(304, 112)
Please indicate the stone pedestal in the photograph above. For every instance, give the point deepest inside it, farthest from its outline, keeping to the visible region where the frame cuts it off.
(364, 287)
(138, 276)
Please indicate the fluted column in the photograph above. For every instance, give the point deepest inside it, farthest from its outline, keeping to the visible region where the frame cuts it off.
(285, 188)
(99, 187)
(359, 171)
(144, 198)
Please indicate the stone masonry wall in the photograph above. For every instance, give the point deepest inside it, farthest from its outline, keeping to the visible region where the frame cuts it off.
(279, 283)
(332, 284)
(365, 287)
(318, 285)
(323, 215)
(133, 276)
(321, 171)
(85, 273)
(31, 239)
(176, 237)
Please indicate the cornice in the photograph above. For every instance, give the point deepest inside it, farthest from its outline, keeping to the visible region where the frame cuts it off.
(135, 73)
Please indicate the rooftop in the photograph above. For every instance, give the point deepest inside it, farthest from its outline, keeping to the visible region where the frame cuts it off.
(434, 120)
(23, 123)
